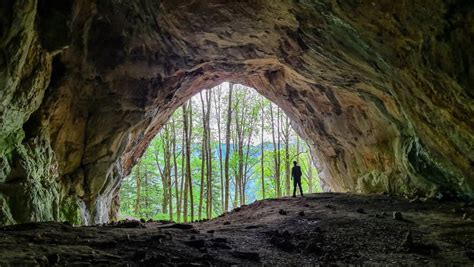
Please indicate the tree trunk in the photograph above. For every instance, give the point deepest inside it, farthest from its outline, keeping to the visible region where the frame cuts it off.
(145, 187)
(217, 101)
(238, 177)
(244, 176)
(227, 147)
(183, 163)
(203, 156)
(297, 148)
(262, 153)
(168, 173)
(175, 170)
(201, 184)
(209, 155)
(139, 187)
(286, 134)
(165, 171)
(188, 160)
(279, 153)
(310, 175)
(275, 154)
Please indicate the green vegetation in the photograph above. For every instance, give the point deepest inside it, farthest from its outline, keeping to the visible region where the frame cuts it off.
(225, 147)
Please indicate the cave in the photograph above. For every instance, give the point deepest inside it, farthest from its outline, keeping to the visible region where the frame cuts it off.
(380, 90)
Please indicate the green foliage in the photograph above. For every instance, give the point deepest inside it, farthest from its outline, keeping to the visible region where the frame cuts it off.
(247, 106)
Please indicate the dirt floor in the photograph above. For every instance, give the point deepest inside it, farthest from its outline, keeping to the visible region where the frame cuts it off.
(317, 229)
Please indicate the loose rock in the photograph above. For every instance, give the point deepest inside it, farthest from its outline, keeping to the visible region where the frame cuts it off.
(465, 216)
(397, 216)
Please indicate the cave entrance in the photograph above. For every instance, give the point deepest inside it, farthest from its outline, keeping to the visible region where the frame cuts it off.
(224, 147)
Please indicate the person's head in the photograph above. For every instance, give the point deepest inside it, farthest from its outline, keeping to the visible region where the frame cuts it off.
(295, 163)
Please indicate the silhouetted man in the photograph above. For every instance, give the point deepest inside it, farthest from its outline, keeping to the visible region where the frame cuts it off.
(296, 176)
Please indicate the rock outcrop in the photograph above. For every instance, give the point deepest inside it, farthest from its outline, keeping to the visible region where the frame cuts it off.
(381, 90)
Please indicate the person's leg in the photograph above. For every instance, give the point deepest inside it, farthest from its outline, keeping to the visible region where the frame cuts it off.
(299, 185)
(294, 187)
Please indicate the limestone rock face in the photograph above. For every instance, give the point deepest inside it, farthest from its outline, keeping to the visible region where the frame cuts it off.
(381, 90)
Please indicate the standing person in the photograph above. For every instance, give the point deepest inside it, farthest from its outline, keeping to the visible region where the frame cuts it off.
(296, 176)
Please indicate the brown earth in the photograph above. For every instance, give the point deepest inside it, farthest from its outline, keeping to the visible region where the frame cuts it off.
(317, 229)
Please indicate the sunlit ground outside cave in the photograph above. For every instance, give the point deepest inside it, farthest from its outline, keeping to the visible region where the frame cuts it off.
(240, 147)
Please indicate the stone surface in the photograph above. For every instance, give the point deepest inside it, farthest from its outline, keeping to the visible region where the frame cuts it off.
(381, 90)
(432, 236)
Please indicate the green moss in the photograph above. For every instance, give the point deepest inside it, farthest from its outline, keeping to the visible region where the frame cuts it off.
(5, 215)
(34, 195)
(69, 211)
(32, 201)
(8, 141)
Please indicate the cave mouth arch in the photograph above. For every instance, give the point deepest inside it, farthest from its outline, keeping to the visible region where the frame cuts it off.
(154, 188)
(315, 107)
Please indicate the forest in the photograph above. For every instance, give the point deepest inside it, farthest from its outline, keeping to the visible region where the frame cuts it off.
(225, 147)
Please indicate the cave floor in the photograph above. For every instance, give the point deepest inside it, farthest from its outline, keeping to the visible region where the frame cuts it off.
(319, 228)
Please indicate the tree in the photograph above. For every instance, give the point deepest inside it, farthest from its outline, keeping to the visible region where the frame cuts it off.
(208, 154)
(278, 166)
(286, 139)
(227, 146)
(217, 104)
(139, 183)
(203, 157)
(165, 172)
(188, 187)
(175, 172)
(240, 105)
(276, 150)
(183, 186)
(262, 149)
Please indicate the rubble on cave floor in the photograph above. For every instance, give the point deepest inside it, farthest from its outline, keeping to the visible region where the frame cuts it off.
(319, 228)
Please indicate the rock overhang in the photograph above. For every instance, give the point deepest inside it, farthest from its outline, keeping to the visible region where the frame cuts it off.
(378, 98)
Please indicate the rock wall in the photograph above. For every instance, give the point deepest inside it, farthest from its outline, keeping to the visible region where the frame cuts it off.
(381, 90)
